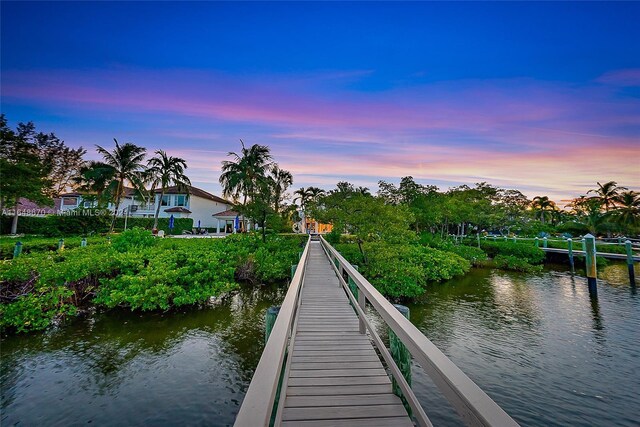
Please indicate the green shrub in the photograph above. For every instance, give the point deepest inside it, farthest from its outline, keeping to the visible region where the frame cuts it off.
(510, 262)
(399, 271)
(134, 238)
(83, 225)
(136, 271)
(528, 253)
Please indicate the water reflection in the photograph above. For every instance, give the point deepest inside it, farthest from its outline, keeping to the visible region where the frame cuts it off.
(188, 367)
(539, 344)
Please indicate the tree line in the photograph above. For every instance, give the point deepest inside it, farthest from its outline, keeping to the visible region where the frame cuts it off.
(39, 167)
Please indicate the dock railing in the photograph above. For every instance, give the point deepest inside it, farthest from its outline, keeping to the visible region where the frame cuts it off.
(258, 404)
(474, 406)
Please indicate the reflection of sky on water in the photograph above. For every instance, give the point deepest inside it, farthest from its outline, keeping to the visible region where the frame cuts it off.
(190, 367)
(538, 344)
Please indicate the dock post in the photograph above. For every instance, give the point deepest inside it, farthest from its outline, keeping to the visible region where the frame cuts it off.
(632, 274)
(537, 242)
(108, 240)
(570, 250)
(590, 243)
(269, 321)
(401, 356)
(17, 250)
(83, 242)
(544, 242)
(494, 238)
(352, 284)
(478, 239)
(61, 244)
(293, 270)
(514, 239)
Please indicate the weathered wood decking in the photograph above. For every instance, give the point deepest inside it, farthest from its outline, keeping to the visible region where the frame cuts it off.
(334, 377)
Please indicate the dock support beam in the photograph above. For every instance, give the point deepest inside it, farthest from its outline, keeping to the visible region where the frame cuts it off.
(590, 243)
(632, 274)
(570, 250)
(401, 356)
(269, 321)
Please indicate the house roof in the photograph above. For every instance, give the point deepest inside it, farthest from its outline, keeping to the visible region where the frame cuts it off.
(128, 192)
(178, 209)
(228, 212)
(194, 192)
(27, 204)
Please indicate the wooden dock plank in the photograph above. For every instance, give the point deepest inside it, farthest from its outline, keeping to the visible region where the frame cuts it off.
(342, 412)
(349, 400)
(361, 422)
(331, 390)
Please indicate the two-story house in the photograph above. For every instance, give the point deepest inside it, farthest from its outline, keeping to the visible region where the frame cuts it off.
(206, 209)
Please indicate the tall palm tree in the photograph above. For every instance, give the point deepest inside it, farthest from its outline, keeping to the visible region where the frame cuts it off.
(628, 210)
(164, 171)
(243, 175)
(608, 194)
(280, 181)
(542, 204)
(94, 178)
(304, 195)
(126, 160)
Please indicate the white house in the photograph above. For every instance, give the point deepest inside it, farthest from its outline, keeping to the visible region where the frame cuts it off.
(195, 203)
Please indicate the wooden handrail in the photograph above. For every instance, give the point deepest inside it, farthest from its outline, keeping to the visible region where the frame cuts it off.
(474, 406)
(257, 406)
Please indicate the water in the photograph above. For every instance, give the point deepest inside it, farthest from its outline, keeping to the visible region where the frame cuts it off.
(537, 344)
(121, 368)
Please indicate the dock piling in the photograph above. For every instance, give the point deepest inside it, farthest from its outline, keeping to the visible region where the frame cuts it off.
(17, 250)
(590, 253)
(401, 356)
(570, 250)
(632, 274)
(269, 321)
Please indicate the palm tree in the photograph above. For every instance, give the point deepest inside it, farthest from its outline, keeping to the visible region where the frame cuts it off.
(164, 171)
(280, 181)
(94, 178)
(244, 175)
(542, 204)
(628, 211)
(608, 194)
(241, 175)
(305, 195)
(126, 160)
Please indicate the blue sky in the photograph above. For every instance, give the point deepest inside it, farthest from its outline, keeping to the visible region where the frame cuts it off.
(450, 93)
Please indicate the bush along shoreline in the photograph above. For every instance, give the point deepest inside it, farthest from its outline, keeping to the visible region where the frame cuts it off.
(135, 271)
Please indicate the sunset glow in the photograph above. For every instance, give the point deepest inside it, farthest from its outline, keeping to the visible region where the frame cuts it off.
(539, 97)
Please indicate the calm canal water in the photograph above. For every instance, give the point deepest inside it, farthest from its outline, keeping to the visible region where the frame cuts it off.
(536, 343)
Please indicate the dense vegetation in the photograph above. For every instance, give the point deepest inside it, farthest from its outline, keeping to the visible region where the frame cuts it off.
(135, 271)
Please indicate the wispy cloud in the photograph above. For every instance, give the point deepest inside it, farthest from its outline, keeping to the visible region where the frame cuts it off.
(520, 133)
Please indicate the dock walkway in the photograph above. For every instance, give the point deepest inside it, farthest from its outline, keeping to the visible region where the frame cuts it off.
(335, 377)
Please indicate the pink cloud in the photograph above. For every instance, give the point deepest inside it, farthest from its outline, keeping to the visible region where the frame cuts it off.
(628, 77)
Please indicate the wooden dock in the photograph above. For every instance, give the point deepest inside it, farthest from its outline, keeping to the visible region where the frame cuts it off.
(323, 361)
(619, 257)
(335, 377)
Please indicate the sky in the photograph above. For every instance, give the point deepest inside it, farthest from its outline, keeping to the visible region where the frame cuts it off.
(540, 97)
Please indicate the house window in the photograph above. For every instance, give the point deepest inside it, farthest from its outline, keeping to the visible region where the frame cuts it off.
(166, 201)
(181, 200)
(70, 201)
